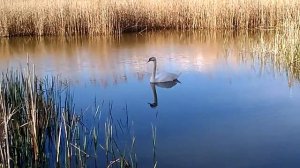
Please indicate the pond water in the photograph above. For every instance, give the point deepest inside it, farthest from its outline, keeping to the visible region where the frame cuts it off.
(234, 106)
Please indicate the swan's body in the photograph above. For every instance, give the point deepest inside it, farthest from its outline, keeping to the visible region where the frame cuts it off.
(163, 76)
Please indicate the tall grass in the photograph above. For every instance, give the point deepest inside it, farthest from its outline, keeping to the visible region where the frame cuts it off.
(26, 108)
(94, 17)
(40, 127)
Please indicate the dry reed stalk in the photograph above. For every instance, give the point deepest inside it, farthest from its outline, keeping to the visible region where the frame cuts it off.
(67, 139)
(33, 106)
(5, 132)
(58, 144)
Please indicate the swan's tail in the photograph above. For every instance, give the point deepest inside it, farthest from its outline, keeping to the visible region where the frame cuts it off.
(177, 81)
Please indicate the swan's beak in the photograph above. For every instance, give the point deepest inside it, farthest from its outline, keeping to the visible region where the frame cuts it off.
(150, 59)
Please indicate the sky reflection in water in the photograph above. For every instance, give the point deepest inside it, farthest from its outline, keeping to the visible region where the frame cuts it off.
(228, 110)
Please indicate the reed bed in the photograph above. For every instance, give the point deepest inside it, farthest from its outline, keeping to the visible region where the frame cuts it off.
(103, 17)
(41, 128)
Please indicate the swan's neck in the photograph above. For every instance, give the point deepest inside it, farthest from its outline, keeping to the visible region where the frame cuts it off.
(153, 72)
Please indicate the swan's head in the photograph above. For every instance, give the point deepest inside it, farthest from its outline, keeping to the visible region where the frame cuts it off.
(152, 59)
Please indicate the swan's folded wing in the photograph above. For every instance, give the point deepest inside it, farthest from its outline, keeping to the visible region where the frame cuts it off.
(165, 77)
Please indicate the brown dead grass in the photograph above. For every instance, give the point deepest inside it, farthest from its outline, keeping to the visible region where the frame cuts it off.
(102, 17)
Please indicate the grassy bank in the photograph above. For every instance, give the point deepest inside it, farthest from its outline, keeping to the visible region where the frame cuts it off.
(94, 17)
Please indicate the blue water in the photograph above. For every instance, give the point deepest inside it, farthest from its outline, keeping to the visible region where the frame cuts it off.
(224, 113)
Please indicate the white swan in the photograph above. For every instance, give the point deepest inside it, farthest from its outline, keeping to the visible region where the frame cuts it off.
(161, 77)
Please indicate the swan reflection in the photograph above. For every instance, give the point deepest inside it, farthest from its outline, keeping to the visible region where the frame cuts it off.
(166, 85)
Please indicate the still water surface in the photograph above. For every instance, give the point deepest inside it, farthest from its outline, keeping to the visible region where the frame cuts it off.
(231, 109)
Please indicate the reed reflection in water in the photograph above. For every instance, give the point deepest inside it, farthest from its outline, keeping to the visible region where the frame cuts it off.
(110, 61)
